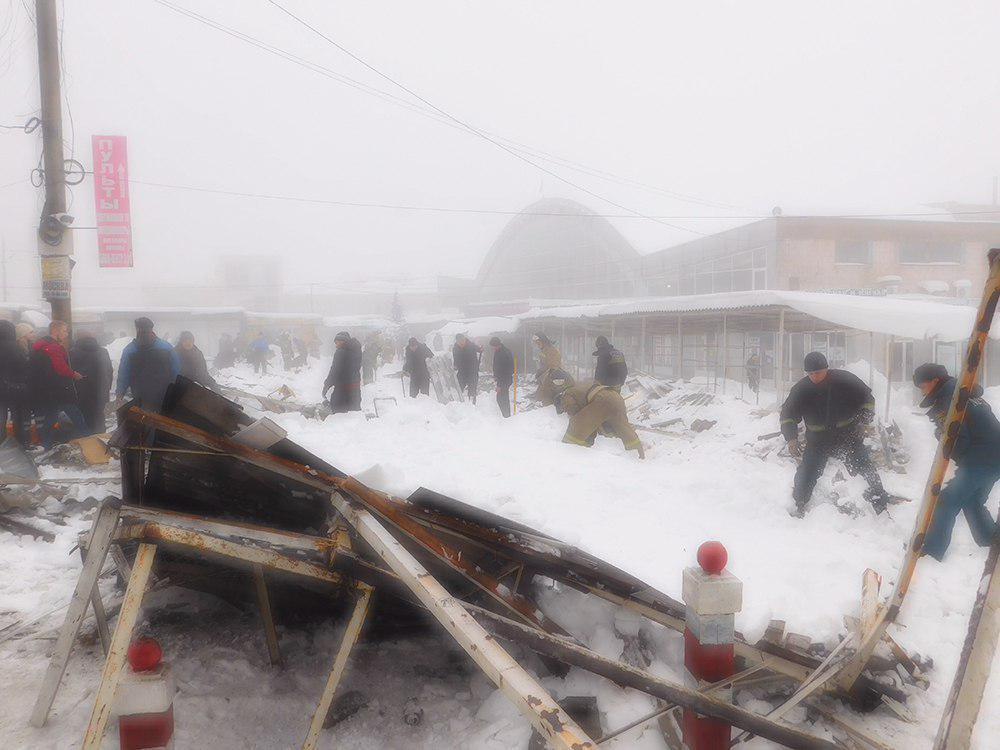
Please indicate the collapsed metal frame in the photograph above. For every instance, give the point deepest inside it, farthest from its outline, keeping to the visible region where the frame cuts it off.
(394, 529)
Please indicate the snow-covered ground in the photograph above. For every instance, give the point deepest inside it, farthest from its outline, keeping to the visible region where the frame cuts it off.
(646, 517)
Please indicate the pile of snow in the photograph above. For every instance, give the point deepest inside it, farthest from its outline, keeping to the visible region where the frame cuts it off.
(647, 517)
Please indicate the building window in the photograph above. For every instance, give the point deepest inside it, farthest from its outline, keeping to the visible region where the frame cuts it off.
(857, 252)
(925, 251)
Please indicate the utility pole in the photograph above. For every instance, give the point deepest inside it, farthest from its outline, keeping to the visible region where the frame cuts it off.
(3, 265)
(55, 245)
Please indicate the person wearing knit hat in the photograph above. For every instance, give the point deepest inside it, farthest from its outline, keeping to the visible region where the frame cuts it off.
(836, 407)
(976, 455)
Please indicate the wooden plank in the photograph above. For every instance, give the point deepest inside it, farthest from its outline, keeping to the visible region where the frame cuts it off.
(100, 540)
(264, 605)
(267, 558)
(966, 696)
(521, 688)
(115, 662)
(870, 584)
(628, 676)
(967, 380)
(820, 676)
(347, 643)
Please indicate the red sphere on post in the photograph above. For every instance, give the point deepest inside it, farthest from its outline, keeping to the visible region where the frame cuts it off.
(144, 655)
(712, 557)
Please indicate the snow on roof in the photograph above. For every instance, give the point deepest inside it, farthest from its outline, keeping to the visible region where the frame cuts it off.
(477, 327)
(364, 321)
(932, 286)
(266, 316)
(911, 319)
(152, 312)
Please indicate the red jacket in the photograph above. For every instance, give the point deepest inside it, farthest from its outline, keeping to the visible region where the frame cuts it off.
(57, 355)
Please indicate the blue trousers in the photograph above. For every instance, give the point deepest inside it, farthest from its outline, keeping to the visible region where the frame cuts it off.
(966, 493)
(50, 415)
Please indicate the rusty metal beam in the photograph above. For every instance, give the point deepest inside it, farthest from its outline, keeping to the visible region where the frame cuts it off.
(376, 501)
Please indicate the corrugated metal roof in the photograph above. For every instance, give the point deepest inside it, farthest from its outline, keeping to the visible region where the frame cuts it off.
(905, 318)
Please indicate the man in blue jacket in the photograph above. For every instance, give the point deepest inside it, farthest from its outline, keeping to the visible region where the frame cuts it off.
(149, 364)
(976, 456)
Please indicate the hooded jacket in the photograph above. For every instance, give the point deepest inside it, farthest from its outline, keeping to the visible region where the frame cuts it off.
(345, 370)
(836, 403)
(978, 442)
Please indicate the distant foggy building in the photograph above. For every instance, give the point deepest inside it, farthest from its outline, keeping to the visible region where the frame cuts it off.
(847, 255)
(559, 249)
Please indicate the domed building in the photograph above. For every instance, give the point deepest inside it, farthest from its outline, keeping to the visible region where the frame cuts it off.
(559, 249)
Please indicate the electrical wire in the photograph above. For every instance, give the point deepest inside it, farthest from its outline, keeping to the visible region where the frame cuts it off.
(471, 129)
(430, 113)
(508, 212)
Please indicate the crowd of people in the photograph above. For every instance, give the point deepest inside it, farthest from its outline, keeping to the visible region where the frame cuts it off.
(63, 388)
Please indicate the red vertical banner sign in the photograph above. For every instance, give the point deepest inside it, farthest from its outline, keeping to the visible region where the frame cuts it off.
(111, 204)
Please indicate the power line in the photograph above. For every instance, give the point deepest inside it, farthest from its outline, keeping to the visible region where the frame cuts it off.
(503, 212)
(430, 113)
(470, 128)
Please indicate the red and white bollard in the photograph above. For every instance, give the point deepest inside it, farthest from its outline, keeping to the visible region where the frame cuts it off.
(145, 699)
(713, 596)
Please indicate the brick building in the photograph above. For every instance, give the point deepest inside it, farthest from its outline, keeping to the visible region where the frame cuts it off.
(839, 254)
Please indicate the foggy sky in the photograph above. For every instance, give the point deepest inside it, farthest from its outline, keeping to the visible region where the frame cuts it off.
(818, 107)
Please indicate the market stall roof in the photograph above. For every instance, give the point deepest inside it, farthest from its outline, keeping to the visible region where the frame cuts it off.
(904, 318)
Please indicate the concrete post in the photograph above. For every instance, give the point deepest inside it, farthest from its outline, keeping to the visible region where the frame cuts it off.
(713, 596)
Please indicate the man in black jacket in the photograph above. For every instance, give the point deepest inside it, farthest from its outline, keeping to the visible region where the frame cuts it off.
(345, 374)
(93, 391)
(976, 456)
(466, 356)
(13, 383)
(503, 373)
(611, 369)
(193, 364)
(836, 406)
(415, 365)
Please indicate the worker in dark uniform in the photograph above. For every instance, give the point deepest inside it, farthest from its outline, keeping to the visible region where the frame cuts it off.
(415, 365)
(466, 356)
(835, 405)
(976, 456)
(345, 374)
(503, 373)
(594, 408)
(611, 369)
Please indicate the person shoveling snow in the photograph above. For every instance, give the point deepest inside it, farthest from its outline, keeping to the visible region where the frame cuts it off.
(594, 408)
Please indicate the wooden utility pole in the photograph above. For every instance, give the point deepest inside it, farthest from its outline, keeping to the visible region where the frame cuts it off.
(56, 245)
